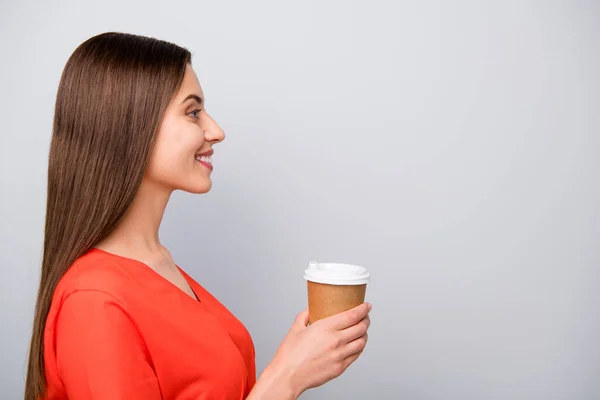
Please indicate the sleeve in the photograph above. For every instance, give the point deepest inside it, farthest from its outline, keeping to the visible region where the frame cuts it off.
(100, 354)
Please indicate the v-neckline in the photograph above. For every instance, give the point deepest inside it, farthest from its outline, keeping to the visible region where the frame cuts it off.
(157, 275)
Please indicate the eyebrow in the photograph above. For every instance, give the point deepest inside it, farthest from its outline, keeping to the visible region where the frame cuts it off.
(193, 96)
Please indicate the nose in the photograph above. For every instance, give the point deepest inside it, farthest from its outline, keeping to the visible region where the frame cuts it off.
(213, 132)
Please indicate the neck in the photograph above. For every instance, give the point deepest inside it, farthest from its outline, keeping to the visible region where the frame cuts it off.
(137, 233)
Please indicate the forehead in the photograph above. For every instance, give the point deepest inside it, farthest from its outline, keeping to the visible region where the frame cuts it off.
(190, 85)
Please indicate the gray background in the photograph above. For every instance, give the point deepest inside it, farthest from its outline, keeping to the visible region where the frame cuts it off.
(450, 147)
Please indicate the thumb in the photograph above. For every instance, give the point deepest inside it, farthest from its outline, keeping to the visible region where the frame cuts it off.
(301, 321)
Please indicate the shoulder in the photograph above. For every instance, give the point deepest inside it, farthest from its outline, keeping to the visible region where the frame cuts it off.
(95, 272)
(97, 293)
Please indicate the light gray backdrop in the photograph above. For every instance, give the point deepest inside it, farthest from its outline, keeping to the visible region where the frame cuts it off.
(450, 147)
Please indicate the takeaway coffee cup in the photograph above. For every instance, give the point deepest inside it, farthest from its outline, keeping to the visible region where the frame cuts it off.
(334, 288)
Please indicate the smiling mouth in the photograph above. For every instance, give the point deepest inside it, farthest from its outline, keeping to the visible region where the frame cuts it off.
(205, 160)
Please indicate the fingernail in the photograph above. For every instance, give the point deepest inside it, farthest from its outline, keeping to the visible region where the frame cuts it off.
(370, 306)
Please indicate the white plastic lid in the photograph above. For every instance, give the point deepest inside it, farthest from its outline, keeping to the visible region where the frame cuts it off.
(336, 274)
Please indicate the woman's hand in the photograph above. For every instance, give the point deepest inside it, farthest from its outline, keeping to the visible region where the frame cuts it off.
(310, 356)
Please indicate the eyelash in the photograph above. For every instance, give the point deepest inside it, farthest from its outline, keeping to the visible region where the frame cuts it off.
(195, 111)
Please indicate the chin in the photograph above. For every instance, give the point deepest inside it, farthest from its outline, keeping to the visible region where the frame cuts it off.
(200, 188)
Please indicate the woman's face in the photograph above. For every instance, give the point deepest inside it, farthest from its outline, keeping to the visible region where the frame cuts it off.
(181, 157)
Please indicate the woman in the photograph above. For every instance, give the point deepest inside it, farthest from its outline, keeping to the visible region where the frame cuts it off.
(116, 318)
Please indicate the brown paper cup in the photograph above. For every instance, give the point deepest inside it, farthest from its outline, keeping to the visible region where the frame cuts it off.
(326, 300)
(334, 288)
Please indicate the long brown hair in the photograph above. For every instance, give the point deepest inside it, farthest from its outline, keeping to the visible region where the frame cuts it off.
(112, 96)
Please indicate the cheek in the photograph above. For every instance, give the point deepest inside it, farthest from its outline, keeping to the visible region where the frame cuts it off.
(173, 153)
(185, 138)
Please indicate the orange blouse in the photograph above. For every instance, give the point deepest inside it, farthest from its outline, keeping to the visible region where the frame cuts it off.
(118, 330)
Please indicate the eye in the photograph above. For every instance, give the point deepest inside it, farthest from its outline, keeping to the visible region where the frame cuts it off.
(195, 113)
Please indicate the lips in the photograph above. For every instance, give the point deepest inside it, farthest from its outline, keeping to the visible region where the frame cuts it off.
(205, 159)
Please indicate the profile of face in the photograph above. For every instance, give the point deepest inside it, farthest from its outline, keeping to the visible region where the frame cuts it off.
(181, 158)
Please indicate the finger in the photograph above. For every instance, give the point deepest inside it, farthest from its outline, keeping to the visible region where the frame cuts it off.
(355, 347)
(366, 341)
(356, 331)
(301, 320)
(349, 360)
(348, 318)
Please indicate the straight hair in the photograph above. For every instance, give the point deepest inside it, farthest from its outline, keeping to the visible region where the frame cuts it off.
(111, 99)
